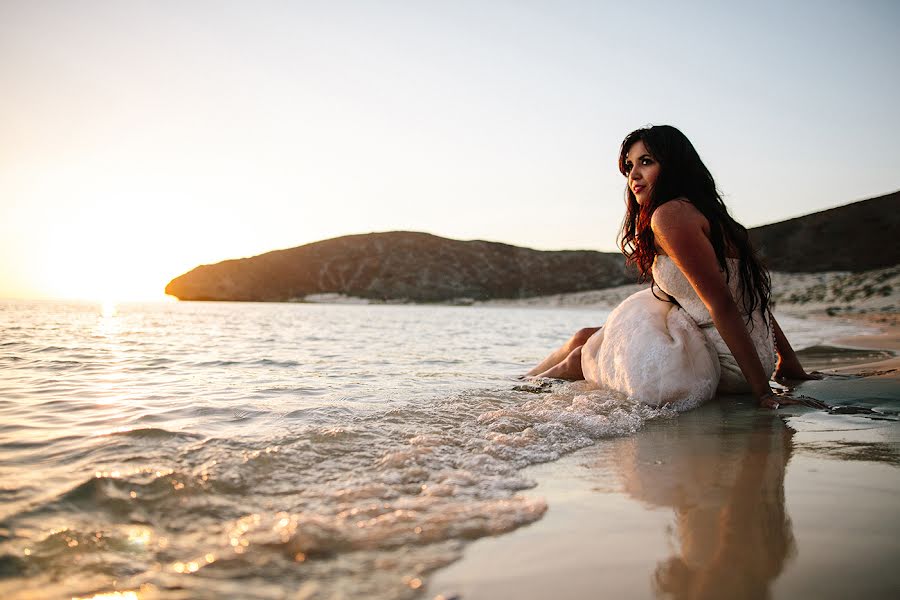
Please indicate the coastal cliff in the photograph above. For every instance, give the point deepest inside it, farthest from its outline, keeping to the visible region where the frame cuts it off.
(402, 266)
(419, 267)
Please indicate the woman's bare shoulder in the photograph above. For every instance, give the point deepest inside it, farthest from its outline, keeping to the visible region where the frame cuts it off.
(678, 214)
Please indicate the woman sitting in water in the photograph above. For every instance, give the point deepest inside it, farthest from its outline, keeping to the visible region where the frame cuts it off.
(711, 328)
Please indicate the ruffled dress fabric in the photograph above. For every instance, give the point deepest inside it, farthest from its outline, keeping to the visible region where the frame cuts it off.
(659, 352)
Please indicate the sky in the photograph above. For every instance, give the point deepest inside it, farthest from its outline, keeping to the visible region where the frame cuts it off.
(139, 139)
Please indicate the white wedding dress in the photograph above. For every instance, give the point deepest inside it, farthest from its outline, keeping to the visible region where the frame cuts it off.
(661, 353)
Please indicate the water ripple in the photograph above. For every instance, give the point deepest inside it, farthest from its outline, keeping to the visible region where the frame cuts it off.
(194, 446)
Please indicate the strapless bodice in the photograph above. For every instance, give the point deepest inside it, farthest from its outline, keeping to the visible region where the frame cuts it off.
(672, 281)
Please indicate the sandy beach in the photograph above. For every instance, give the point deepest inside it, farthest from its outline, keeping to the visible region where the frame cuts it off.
(722, 502)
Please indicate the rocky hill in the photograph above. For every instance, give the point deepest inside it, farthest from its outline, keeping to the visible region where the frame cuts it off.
(401, 265)
(855, 237)
(419, 267)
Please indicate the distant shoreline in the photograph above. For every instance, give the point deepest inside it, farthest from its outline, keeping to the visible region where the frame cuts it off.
(871, 296)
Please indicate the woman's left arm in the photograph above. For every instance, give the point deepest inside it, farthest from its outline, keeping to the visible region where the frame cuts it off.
(681, 231)
(788, 366)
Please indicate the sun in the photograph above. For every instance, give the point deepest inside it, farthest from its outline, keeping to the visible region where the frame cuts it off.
(108, 308)
(96, 270)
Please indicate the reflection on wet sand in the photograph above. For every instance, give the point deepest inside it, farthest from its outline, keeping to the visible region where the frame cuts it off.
(725, 482)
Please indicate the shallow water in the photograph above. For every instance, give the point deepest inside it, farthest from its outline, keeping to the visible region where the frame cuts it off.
(269, 450)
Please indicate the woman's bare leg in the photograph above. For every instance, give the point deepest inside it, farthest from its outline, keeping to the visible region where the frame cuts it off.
(558, 356)
(570, 368)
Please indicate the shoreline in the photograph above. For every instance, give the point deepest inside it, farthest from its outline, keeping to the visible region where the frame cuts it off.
(618, 522)
(887, 338)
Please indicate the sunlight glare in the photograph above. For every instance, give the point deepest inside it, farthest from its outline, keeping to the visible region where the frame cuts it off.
(108, 308)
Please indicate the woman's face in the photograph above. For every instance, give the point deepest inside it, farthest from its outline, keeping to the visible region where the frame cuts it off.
(642, 171)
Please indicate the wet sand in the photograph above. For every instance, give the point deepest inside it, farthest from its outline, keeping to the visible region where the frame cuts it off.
(888, 338)
(722, 502)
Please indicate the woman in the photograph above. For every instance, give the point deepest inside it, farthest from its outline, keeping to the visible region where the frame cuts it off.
(709, 328)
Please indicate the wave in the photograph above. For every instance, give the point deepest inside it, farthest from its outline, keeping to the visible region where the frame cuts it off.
(268, 362)
(122, 495)
(260, 362)
(154, 433)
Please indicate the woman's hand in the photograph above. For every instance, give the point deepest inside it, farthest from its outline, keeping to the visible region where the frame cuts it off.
(769, 401)
(786, 398)
(793, 372)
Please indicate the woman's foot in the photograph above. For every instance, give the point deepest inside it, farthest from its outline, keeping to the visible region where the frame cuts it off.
(570, 368)
(559, 356)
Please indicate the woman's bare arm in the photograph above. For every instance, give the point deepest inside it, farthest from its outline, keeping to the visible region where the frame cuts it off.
(681, 231)
(788, 366)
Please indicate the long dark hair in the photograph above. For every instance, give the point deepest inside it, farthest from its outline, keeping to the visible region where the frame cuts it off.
(683, 175)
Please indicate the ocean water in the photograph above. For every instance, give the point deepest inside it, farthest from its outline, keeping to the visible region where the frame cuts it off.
(209, 450)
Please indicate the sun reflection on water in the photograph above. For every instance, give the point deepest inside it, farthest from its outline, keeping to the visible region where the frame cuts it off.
(108, 308)
(139, 537)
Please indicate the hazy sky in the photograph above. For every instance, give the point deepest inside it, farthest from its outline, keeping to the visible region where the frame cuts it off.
(139, 139)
